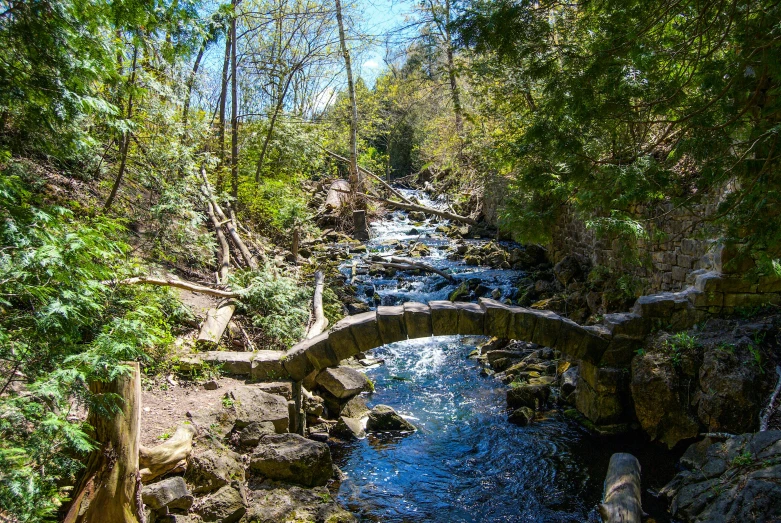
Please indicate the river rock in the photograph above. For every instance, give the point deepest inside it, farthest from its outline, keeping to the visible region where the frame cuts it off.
(249, 437)
(292, 458)
(661, 399)
(343, 382)
(170, 492)
(355, 408)
(213, 469)
(271, 504)
(227, 505)
(416, 216)
(349, 428)
(522, 416)
(568, 381)
(737, 480)
(531, 396)
(248, 403)
(383, 418)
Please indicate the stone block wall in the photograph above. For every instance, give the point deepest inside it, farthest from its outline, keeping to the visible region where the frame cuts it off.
(676, 246)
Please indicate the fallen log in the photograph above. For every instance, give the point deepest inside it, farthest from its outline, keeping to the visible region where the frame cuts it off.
(215, 324)
(108, 488)
(320, 321)
(170, 456)
(174, 282)
(404, 265)
(225, 255)
(421, 208)
(393, 191)
(337, 195)
(765, 421)
(621, 498)
(229, 223)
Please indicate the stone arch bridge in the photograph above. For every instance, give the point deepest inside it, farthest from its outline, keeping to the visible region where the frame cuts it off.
(603, 352)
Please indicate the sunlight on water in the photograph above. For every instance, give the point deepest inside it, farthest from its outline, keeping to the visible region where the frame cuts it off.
(465, 463)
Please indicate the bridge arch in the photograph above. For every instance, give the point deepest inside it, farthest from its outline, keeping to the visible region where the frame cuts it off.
(389, 324)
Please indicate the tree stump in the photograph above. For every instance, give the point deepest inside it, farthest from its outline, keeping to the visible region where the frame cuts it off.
(108, 489)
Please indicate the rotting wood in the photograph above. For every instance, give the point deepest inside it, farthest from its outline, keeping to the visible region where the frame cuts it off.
(170, 456)
(174, 282)
(215, 324)
(423, 266)
(621, 499)
(765, 421)
(108, 488)
(320, 321)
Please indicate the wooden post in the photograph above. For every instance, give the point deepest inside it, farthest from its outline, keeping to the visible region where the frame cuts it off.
(621, 501)
(294, 247)
(107, 491)
(360, 228)
(300, 423)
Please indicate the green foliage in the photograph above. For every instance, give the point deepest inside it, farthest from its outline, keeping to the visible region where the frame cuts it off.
(678, 344)
(61, 327)
(277, 304)
(607, 107)
(743, 459)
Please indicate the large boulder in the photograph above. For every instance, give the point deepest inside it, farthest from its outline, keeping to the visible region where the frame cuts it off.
(383, 418)
(171, 493)
(732, 390)
(735, 480)
(227, 505)
(343, 382)
(348, 428)
(272, 504)
(531, 396)
(213, 469)
(661, 399)
(292, 458)
(249, 404)
(355, 408)
(567, 270)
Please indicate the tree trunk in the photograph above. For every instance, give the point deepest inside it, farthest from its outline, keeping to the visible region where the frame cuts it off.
(451, 71)
(223, 101)
(190, 83)
(354, 176)
(234, 110)
(271, 125)
(125, 137)
(108, 489)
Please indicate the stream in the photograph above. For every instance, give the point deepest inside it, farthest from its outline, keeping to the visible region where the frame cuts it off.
(466, 463)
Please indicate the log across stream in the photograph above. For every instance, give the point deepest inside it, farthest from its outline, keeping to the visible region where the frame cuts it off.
(466, 463)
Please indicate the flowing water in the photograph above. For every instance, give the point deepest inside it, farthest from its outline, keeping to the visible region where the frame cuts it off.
(466, 462)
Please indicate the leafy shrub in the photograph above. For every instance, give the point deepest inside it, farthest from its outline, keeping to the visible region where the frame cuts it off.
(61, 327)
(277, 304)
